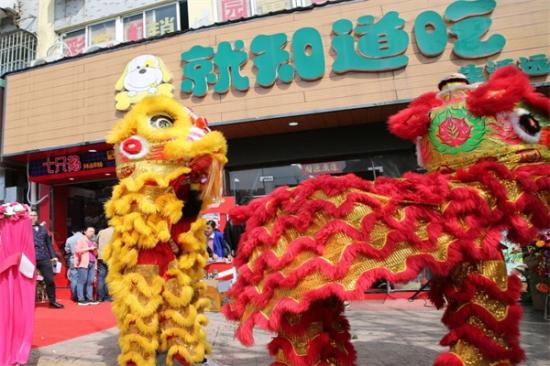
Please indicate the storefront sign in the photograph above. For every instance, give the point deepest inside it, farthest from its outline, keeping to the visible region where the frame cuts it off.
(368, 45)
(72, 163)
(331, 167)
(535, 65)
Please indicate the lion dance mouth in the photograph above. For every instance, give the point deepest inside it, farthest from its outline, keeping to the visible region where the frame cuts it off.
(169, 165)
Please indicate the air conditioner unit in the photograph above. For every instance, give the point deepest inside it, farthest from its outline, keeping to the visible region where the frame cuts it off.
(100, 46)
(39, 61)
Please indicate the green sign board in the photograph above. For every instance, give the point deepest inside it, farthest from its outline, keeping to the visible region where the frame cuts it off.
(535, 65)
(369, 45)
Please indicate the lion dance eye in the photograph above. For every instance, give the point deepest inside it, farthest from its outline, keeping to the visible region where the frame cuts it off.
(529, 124)
(161, 122)
(526, 126)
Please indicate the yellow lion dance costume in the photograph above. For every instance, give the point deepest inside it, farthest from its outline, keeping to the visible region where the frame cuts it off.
(170, 166)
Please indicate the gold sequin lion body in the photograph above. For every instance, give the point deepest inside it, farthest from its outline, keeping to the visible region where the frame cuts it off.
(170, 166)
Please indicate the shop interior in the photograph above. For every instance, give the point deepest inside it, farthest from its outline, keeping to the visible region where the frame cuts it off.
(85, 203)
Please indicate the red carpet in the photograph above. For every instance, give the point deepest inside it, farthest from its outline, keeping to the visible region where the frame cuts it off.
(57, 325)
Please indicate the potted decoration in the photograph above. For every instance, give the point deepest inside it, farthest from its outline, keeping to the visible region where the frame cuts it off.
(538, 262)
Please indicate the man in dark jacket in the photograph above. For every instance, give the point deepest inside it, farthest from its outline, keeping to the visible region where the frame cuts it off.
(232, 234)
(45, 258)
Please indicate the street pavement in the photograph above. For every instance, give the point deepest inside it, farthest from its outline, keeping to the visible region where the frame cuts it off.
(385, 333)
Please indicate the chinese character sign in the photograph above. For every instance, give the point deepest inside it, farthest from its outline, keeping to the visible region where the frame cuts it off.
(71, 163)
(233, 9)
(62, 164)
(471, 23)
(535, 65)
(379, 47)
(365, 44)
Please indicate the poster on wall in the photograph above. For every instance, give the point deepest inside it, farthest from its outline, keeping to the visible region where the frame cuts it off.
(201, 13)
(133, 28)
(103, 33)
(233, 9)
(75, 42)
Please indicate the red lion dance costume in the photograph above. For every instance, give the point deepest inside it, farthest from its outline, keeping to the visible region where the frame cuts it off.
(308, 249)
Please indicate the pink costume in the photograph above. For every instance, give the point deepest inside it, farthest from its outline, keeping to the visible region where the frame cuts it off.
(17, 284)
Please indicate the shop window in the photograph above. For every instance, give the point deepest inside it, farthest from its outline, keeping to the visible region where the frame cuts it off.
(103, 33)
(201, 13)
(251, 183)
(269, 6)
(75, 42)
(161, 20)
(150, 23)
(133, 27)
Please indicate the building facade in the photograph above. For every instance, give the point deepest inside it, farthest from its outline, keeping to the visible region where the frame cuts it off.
(299, 92)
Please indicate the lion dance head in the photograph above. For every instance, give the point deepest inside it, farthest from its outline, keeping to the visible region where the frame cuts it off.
(503, 120)
(165, 152)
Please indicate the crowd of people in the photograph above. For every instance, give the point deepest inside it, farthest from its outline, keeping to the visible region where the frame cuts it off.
(222, 247)
(83, 257)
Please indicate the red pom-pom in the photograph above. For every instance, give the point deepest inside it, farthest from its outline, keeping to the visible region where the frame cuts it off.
(413, 121)
(539, 102)
(506, 87)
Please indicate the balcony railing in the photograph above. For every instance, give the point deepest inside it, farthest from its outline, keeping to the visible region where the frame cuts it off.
(17, 50)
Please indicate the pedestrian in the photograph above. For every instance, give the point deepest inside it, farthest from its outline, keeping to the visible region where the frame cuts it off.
(232, 234)
(45, 258)
(214, 239)
(70, 250)
(86, 264)
(103, 238)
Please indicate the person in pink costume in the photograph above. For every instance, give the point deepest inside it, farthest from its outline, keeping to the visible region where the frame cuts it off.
(17, 284)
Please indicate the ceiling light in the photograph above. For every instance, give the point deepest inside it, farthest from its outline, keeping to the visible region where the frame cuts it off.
(107, 174)
(92, 150)
(71, 178)
(293, 124)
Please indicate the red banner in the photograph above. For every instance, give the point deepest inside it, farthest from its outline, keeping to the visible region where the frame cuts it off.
(75, 45)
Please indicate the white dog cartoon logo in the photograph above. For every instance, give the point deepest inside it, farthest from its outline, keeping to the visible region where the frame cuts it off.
(145, 75)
